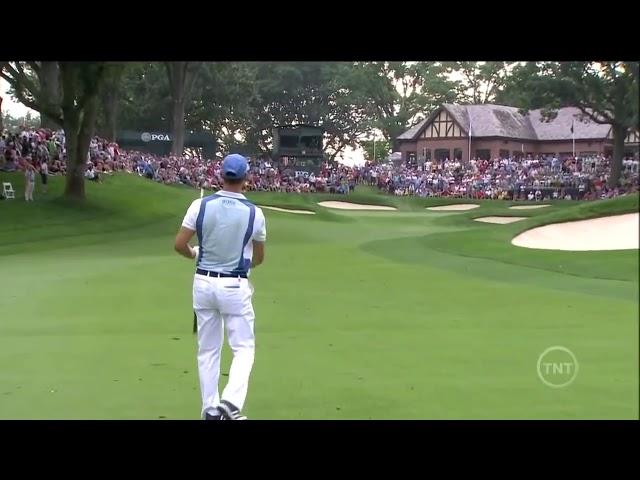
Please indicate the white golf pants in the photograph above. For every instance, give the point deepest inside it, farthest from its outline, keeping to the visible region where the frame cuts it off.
(219, 303)
(28, 190)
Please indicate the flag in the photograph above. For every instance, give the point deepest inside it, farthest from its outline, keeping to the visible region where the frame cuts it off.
(572, 122)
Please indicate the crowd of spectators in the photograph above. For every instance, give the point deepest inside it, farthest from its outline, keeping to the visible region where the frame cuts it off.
(528, 178)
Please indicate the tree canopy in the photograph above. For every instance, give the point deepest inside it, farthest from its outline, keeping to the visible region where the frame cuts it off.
(239, 103)
(604, 92)
(71, 103)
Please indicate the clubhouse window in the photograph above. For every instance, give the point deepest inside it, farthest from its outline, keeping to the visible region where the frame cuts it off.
(442, 153)
(483, 154)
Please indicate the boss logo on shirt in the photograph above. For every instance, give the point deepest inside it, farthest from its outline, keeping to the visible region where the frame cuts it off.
(228, 202)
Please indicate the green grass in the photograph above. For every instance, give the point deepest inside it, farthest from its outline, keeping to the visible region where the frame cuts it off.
(406, 314)
(493, 242)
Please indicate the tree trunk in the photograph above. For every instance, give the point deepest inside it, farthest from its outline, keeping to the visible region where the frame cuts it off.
(619, 134)
(177, 123)
(81, 84)
(78, 135)
(110, 106)
(74, 180)
(50, 87)
(110, 102)
(1, 125)
(336, 152)
(181, 80)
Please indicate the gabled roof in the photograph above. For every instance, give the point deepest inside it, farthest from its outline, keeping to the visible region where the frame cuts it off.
(501, 121)
(560, 127)
(413, 131)
(492, 121)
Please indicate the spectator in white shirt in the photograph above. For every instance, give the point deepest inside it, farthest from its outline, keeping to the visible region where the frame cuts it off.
(29, 182)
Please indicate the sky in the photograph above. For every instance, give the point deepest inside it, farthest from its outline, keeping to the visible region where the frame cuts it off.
(15, 108)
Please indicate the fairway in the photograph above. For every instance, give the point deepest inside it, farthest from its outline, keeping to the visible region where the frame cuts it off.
(399, 314)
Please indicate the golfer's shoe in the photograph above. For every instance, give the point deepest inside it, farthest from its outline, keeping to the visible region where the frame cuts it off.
(229, 411)
(208, 416)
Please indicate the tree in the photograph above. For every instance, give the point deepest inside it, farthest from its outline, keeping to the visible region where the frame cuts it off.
(49, 77)
(76, 109)
(144, 99)
(323, 94)
(236, 101)
(515, 89)
(181, 77)
(480, 82)
(382, 149)
(219, 101)
(46, 75)
(279, 99)
(110, 101)
(12, 123)
(222, 102)
(401, 93)
(605, 93)
(349, 110)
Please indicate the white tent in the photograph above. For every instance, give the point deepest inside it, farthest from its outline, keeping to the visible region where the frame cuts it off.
(395, 157)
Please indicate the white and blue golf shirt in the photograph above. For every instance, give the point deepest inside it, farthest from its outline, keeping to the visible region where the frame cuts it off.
(226, 223)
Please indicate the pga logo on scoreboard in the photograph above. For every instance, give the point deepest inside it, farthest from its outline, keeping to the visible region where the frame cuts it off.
(151, 137)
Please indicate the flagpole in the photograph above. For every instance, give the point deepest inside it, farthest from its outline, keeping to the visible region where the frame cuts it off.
(573, 136)
(469, 141)
(374, 147)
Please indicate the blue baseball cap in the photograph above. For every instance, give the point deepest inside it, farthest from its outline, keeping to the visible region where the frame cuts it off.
(234, 166)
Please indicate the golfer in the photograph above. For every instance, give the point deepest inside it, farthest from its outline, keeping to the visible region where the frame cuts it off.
(231, 234)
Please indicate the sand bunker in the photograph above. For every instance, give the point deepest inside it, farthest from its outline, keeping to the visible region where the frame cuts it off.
(353, 206)
(619, 232)
(456, 207)
(500, 220)
(302, 212)
(527, 207)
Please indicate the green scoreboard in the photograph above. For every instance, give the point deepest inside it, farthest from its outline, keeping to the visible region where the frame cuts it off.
(298, 147)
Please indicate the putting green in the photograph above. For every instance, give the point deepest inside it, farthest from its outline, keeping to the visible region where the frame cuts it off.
(360, 314)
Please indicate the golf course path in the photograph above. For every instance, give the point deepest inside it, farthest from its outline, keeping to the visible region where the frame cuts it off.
(619, 232)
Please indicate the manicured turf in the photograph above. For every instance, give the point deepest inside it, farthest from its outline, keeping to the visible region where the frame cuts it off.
(409, 314)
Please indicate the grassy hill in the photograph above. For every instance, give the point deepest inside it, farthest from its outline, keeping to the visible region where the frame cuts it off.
(404, 314)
